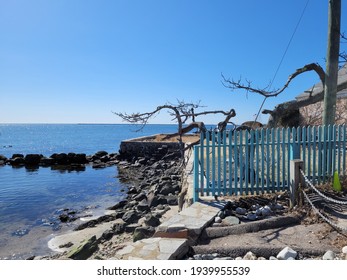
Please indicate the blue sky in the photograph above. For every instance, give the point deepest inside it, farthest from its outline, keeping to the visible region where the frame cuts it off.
(78, 61)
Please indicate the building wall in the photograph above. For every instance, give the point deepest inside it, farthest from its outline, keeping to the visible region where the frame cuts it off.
(313, 114)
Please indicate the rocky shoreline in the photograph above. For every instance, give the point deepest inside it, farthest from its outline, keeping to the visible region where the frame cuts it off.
(76, 161)
(154, 187)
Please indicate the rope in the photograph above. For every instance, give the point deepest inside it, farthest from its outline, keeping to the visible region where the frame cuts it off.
(322, 216)
(321, 194)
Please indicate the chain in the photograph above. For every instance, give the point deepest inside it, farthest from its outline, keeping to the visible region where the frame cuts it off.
(322, 216)
(321, 194)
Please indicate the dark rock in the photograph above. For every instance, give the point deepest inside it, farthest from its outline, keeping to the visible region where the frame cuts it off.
(152, 221)
(93, 223)
(3, 158)
(66, 245)
(118, 227)
(156, 200)
(142, 233)
(131, 217)
(101, 154)
(140, 196)
(172, 199)
(32, 159)
(61, 158)
(168, 188)
(107, 235)
(131, 228)
(47, 161)
(105, 158)
(64, 218)
(85, 250)
(17, 156)
(143, 206)
(17, 161)
(80, 158)
(132, 190)
(118, 205)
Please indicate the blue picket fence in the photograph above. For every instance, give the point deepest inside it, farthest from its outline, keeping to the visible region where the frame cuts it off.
(258, 161)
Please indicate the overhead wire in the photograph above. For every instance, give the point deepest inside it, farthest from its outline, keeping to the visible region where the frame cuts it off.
(283, 56)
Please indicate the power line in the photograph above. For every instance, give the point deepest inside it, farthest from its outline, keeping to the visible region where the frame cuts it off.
(283, 56)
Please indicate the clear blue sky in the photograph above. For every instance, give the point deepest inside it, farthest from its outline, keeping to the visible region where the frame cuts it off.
(77, 61)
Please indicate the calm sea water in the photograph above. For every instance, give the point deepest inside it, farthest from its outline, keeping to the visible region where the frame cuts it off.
(32, 200)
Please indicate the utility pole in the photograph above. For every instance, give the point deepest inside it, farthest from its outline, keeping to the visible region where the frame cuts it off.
(333, 49)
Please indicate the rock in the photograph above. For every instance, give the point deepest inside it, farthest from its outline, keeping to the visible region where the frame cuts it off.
(286, 253)
(152, 221)
(66, 245)
(344, 250)
(261, 259)
(118, 205)
(131, 217)
(17, 161)
(250, 256)
(251, 217)
(85, 250)
(171, 199)
(230, 205)
(140, 196)
(231, 220)
(61, 158)
(3, 158)
(44, 161)
(238, 259)
(266, 211)
(273, 258)
(80, 158)
(118, 227)
(131, 227)
(107, 234)
(217, 220)
(329, 255)
(32, 159)
(143, 206)
(221, 214)
(240, 211)
(101, 154)
(255, 207)
(17, 156)
(143, 232)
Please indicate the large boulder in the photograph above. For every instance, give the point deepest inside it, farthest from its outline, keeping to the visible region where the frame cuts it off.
(32, 159)
(85, 250)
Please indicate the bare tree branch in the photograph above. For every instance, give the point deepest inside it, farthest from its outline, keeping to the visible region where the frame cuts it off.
(234, 85)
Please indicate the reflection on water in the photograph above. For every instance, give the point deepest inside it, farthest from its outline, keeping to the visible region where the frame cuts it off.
(38, 202)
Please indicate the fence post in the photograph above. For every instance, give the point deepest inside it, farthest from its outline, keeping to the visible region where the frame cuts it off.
(295, 180)
(196, 174)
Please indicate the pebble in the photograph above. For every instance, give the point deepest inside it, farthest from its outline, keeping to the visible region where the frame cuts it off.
(329, 255)
(250, 256)
(217, 219)
(231, 220)
(287, 253)
(251, 217)
(344, 250)
(240, 211)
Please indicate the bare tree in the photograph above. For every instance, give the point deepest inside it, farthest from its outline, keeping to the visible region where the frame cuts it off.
(181, 113)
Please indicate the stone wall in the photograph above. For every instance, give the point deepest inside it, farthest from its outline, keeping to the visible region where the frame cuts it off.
(147, 147)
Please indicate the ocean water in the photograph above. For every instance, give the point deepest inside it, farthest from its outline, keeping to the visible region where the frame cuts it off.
(31, 200)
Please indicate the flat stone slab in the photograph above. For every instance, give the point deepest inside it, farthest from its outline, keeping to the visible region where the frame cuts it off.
(194, 218)
(154, 249)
